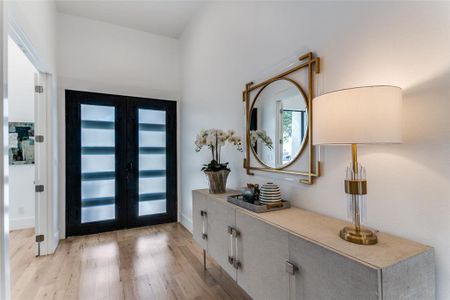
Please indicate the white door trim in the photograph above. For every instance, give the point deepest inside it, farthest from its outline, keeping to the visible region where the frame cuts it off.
(43, 211)
(9, 26)
(4, 197)
(41, 168)
(19, 37)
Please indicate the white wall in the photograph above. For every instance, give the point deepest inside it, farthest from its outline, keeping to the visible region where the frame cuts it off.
(21, 109)
(402, 43)
(101, 57)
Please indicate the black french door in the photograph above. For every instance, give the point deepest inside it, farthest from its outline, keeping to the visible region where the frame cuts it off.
(121, 162)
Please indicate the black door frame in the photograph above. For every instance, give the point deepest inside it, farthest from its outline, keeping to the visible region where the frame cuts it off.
(127, 174)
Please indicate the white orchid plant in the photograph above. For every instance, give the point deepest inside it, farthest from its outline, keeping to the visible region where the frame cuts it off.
(256, 135)
(215, 139)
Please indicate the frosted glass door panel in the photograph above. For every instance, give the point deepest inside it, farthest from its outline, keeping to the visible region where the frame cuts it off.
(152, 138)
(97, 113)
(151, 116)
(98, 213)
(97, 188)
(152, 207)
(152, 185)
(98, 176)
(152, 162)
(98, 163)
(97, 137)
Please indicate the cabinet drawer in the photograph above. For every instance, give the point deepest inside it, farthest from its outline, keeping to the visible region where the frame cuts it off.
(220, 216)
(198, 205)
(413, 278)
(263, 251)
(324, 274)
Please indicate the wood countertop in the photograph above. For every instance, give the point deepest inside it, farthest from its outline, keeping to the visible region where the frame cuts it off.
(324, 231)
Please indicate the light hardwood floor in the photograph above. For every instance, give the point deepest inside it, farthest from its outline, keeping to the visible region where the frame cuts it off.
(156, 262)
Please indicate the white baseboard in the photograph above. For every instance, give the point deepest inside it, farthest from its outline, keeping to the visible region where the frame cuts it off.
(21, 223)
(53, 244)
(187, 222)
(56, 236)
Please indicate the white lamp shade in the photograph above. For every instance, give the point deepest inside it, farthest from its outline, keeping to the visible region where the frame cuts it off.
(358, 116)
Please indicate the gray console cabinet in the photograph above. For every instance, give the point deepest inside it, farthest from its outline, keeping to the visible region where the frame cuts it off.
(296, 254)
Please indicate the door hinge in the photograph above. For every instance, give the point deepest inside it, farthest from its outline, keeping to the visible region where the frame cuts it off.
(40, 238)
(39, 138)
(38, 89)
(39, 188)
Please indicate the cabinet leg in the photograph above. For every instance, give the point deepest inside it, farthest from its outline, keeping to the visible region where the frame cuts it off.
(204, 260)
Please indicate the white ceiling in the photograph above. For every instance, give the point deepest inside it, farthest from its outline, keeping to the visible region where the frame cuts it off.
(168, 18)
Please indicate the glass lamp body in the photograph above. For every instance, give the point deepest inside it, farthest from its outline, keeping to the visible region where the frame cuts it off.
(360, 199)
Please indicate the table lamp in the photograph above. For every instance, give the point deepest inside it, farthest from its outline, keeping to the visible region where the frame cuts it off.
(362, 115)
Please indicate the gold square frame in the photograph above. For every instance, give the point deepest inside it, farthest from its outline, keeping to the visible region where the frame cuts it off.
(312, 65)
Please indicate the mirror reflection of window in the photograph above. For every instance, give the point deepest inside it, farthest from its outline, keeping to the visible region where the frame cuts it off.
(293, 124)
(254, 125)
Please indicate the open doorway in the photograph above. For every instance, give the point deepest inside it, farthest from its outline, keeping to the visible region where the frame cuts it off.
(22, 159)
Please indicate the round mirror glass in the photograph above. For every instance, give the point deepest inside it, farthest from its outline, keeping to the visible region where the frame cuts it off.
(278, 123)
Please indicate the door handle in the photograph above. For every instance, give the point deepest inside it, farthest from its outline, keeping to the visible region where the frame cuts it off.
(130, 166)
(129, 169)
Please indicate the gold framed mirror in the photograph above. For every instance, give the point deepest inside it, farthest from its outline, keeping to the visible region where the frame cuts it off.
(278, 122)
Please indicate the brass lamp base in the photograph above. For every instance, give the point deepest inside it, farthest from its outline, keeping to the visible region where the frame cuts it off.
(361, 237)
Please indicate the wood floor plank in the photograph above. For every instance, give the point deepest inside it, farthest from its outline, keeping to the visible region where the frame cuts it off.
(155, 262)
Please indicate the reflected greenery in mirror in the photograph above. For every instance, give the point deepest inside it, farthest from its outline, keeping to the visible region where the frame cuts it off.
(278, 123)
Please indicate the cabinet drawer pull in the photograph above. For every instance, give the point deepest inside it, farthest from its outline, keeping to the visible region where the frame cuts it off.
(230, 230)
(204, 215)
(236, 235)
(236, 264)
(230, 246)
(291, 268)
(233, 249)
